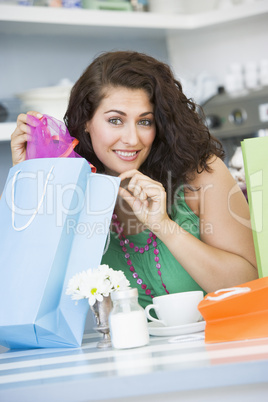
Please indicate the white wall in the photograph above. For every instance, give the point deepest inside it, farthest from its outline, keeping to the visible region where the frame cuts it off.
(5, 162)
(34, 61)
(212, 50)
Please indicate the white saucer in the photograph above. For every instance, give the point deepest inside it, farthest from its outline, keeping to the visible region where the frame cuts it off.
(158, 330)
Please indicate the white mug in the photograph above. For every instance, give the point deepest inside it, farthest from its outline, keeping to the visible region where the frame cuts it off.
(176, 309)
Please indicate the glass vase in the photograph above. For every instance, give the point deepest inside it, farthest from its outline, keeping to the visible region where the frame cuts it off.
(101, 310)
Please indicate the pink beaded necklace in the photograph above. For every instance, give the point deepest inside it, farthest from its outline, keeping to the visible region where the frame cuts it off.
(124, 242)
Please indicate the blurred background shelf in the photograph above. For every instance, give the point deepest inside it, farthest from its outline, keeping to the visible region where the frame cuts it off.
(35, 20)
(6, 129)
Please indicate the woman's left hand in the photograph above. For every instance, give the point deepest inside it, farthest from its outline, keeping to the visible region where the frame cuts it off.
(146, 197)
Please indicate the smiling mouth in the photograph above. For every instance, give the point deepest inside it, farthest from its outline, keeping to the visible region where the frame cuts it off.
(125, 153)
(127, 156)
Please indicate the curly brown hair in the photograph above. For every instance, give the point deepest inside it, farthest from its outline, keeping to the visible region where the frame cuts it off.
(182, 144)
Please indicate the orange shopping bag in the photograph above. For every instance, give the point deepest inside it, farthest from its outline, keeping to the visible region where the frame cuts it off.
(236, 313)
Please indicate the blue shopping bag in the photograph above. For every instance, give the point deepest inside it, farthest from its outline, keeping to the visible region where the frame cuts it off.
(54, 219)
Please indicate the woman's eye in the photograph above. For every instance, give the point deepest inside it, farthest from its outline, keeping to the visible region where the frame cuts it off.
(145, 122)
(116, 121)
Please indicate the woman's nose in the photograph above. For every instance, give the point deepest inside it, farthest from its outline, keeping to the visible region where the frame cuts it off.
(130, 136)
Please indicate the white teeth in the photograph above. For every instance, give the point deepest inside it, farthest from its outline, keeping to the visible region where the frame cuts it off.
(126, 153)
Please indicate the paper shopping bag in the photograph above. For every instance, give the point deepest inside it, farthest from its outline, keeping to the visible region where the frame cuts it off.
(255, 151)
(54, 219)
(236, 313)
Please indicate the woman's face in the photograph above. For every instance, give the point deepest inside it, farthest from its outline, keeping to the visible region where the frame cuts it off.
(122, 129)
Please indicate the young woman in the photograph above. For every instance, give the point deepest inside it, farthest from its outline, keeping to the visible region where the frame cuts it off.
(181, 222)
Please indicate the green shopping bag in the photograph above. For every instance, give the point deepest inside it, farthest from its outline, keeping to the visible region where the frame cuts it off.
(255, 151)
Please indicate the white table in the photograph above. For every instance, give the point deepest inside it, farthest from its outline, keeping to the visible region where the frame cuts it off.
(162, 371)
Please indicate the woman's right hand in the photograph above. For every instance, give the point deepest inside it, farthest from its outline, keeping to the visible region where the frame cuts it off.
(20, 137)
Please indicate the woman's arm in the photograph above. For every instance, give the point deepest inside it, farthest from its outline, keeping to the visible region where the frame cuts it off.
(20, 137)
(225, 255)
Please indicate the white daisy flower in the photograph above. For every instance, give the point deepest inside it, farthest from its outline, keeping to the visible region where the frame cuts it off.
(94, 284)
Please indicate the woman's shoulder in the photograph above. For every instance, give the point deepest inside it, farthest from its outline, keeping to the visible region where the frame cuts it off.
(216, 178)
(217, 170)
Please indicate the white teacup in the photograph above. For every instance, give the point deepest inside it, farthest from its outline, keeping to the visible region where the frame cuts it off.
(176, 309)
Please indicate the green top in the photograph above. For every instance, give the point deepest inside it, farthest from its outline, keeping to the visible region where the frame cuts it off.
(174, 276)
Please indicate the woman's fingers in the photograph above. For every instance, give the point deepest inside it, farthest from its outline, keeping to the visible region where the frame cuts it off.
(21, 129)
(141, 186)
(146, 197)
(139, 207)
(22, 134)
(128, 174)
(129, 198)
(32, 118)
(36, 114)
(27, 118)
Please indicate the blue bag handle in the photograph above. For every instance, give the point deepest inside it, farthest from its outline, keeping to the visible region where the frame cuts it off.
(38, 206)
